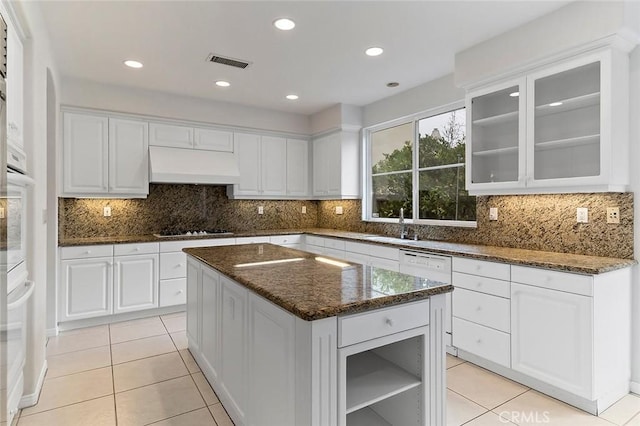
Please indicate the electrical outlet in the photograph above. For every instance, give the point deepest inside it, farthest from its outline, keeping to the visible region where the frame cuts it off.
(304, 209)
(613, 214)
(106, 211)
(2, 215)
(339, 210)
(493, 213)
(582, 215)
(260, 209)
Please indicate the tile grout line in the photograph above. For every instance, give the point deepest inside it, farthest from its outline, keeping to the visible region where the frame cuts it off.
(113, 379)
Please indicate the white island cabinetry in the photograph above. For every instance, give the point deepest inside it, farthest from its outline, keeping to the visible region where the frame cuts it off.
(269, 366)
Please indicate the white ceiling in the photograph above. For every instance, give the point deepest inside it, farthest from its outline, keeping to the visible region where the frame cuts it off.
(322, 59)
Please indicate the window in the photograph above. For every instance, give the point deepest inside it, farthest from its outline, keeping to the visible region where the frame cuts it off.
(419, 165)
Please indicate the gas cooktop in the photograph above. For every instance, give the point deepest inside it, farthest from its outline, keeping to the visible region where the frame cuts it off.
(182, 233)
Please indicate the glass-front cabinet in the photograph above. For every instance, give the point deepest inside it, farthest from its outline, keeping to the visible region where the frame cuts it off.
(560, 128)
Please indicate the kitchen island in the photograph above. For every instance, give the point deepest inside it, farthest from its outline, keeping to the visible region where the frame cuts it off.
(287, 337)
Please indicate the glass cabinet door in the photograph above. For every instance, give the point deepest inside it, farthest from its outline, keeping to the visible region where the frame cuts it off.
(566, 123)
(495, 135)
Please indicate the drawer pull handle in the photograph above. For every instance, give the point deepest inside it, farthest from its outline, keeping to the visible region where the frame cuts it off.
(389, 322)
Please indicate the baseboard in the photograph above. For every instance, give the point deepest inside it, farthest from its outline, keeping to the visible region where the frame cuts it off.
(635, 387)
(52, 332)
(32, 399)
(128, 316)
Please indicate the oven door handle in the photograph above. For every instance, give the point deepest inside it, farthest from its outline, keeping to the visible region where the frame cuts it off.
(30, 285)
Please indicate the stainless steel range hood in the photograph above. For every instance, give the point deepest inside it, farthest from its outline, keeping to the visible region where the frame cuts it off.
(177, 165)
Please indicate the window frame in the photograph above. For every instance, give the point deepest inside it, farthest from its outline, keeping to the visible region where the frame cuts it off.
(367, 181)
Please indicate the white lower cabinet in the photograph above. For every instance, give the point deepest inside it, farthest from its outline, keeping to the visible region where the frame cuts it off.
(271, 391)
(135, 282)
(552, 337)
(269, 367)
(86, 287)
(233, 344)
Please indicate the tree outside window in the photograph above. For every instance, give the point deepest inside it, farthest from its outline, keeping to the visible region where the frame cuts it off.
(439, 168)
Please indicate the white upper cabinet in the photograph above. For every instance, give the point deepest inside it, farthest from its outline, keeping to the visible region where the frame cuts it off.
(297, 167)
(104, 156)
(560, 128)
(178, 136)
(85, 154)
(213, 140)
(128, 157)
(171, 136)
(336, 166)
(271, 167)
(15, 88)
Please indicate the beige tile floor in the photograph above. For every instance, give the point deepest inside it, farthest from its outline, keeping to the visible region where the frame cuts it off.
(140, 373)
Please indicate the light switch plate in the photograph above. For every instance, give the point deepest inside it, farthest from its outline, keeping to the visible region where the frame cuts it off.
(582, 215)
(304, 209)
(260, 209)
(339, 210)
(493, 213)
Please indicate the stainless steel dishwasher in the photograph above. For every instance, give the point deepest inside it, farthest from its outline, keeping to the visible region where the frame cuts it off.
(434, 267)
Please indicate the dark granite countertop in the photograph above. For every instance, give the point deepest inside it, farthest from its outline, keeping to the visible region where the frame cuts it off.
(543, 259)
(310, 288)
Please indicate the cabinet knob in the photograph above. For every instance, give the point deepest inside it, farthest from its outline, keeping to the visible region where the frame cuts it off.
(87, 252)
(478, 267)
(479, 284)
(479, 341)
(479, 308)
(179, 265)
(389, 322)
(136, 249)
(180, 291)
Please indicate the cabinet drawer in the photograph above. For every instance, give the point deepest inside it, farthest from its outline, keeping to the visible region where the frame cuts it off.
(83, 252)
(499, 271)
(384, 252)
(170, 135)
(483, 341)
(252, 240)
(357, 247)
(314, 241)
(173, 265)
(142, 248)
(334, 244)
(484, 309)
(337, 254)
(170, 246)
(382, 322)
(561, 281)
(378, 262)
(285, 239)
(482, 284)
(173, 292)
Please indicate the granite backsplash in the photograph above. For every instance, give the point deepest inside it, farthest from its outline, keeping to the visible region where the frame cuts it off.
(538, 222)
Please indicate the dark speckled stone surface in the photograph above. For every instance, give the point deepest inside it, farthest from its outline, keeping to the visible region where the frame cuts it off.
(311, 289)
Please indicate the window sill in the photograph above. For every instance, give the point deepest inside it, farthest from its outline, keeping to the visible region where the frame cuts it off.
(428, 222)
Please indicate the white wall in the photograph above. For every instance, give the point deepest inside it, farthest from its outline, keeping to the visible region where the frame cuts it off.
(89, 94)
(433, 94)
(38, 64)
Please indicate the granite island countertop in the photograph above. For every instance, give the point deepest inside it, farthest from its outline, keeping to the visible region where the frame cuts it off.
(309, 288)
(566, 262)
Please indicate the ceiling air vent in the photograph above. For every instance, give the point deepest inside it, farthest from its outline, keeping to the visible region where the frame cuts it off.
(225, 60)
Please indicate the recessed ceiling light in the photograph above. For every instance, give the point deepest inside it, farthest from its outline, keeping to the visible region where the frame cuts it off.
(284, 24)
(374, 51)
(133, 64)
(555, 104)
(514, 94)
(223, 83)
(393, 84)
(292, 97)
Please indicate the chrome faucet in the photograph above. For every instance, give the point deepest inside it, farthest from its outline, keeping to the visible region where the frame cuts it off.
(403, 229)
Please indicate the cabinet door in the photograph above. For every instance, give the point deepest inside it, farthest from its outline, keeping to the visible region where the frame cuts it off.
(271, 373)
(232, 371)
(85, 154)
(209, 325)
(496, 137)
(170, 135)
(194, 287)
(273, 165)
(327, 165)
(297, 167)
(135, 282)
(213, 140)
(247, 149)
(128, 157)
(86, 288)
(551, 337)
(565, 116)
